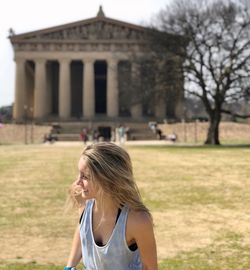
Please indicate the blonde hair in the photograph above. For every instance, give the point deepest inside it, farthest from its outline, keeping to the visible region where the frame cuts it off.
(110, 169)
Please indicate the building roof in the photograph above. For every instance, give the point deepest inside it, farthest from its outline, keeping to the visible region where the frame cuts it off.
(56, 32)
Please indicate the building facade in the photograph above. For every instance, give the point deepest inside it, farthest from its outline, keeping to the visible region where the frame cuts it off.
(77, 71)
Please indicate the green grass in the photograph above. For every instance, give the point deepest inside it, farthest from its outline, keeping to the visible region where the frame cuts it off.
(232, 254)
(199, 198)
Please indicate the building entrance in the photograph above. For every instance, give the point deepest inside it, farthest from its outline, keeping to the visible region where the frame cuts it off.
(100, 87)
(53, 79)
(76, 88)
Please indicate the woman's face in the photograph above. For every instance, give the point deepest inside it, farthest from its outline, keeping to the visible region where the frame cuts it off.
(84, 180)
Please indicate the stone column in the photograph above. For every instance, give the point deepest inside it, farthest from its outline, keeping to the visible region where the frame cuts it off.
(49, 90)
(112, 89)
(136, 109)
(40, 91)
(20, 90)
(160, 95)
(160, 108)
(64, 89)
(180, 99)
(179, 104)
(88, 89)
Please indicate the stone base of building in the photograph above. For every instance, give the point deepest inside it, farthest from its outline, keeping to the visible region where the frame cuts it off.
(106, 130)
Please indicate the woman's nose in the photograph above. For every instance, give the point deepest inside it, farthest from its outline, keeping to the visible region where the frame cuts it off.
(78, 181)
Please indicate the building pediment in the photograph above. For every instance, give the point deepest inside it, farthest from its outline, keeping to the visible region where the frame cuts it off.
(97, 28)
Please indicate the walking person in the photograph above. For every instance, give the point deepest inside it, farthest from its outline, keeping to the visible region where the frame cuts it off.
(115, 230)
(121, 133)
(84, 135)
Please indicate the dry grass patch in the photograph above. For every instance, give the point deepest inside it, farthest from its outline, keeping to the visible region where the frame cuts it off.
(198, 197)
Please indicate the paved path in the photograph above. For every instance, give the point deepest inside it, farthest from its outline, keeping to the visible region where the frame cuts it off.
(151, 142)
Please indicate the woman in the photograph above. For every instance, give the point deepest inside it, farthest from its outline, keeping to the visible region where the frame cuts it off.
(115, 231)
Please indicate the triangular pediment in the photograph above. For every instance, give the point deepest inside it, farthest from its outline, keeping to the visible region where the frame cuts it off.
(97, 28)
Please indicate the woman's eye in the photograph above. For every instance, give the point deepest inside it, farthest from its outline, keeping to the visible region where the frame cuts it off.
(84, 177)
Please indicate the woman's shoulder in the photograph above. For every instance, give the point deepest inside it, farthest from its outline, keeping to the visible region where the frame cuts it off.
(138, 220)
(139, 227)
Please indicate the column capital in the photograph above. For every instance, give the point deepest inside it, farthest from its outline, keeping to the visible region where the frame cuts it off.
(113, 61)
(64, 60)
(41, 61)
(89, 60)
(20, 60)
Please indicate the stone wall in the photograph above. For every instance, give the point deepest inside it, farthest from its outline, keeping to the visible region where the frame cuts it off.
(15, 134)
(196, 132)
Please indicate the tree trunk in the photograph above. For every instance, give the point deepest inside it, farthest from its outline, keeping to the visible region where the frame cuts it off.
(213, 130)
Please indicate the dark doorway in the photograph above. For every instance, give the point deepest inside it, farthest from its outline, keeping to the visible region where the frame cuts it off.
(105, 133)
(100, 87)
(76, 88)
(53, 79)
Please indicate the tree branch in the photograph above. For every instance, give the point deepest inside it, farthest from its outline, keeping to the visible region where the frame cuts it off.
(235, 114)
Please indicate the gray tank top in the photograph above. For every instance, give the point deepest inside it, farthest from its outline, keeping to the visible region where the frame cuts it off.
(115, 255)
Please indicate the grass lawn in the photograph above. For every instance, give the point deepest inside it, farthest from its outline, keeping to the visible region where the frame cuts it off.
(199, 198)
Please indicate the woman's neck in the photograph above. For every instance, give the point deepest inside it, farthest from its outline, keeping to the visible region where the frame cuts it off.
(106, 206)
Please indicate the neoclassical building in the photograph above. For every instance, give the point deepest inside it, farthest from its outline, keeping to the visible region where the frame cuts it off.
(82, 70)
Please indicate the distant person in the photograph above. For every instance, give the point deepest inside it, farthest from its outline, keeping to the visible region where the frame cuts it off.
(113, 135)
(159, 133)
(127, 133)
(115, 230)
(172, 137)
(153, 126)
(96, 135)
(84, 135)
(49, 138)
(121, 134)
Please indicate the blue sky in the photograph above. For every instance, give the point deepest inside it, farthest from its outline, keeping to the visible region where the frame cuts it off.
(29, 15)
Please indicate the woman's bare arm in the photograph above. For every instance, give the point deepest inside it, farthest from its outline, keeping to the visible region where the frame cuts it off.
(76, 251)
(143, 233)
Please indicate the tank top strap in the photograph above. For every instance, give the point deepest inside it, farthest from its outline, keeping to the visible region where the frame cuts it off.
(87, 211)
(124, 213)
(122, 221)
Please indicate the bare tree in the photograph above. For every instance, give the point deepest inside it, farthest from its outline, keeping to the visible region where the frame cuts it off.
(149, 79)
(215, 43)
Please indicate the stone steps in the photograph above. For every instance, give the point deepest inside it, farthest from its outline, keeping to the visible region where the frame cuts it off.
(70, 131)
